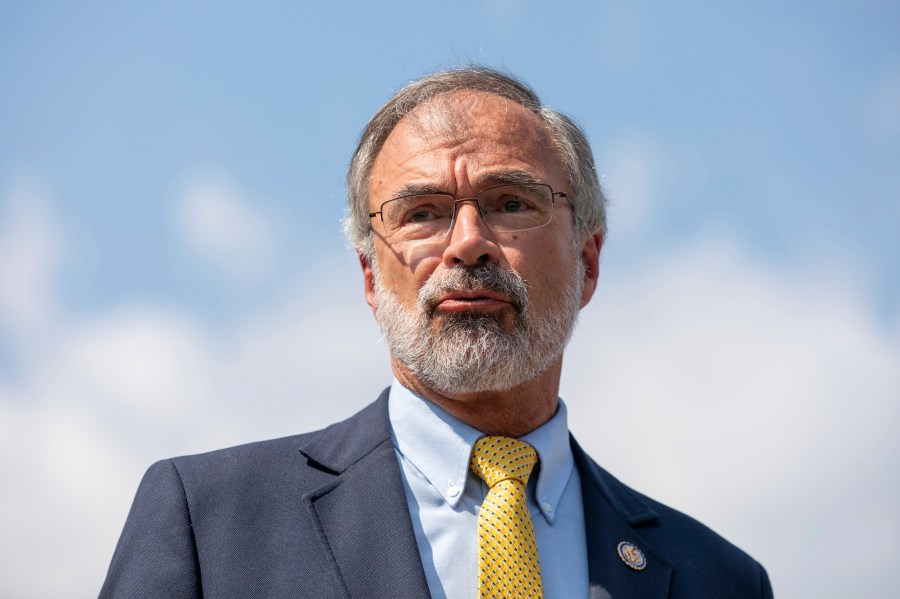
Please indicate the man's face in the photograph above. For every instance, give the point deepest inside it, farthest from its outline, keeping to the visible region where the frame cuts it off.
(476, 310)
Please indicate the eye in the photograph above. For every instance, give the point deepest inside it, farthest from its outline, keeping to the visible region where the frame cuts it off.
(417, 210)
(422, 214)
(513, 203)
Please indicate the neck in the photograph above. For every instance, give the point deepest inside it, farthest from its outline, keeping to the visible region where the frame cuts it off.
(511, 413)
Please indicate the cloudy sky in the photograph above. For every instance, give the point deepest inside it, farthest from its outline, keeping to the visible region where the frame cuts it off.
(173, 277)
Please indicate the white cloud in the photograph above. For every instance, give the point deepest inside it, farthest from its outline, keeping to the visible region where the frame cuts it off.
(224, 229)
(764, 402)
(135, 385)
(154, 364)
(30, 255)
(67, 478)
(645, 173)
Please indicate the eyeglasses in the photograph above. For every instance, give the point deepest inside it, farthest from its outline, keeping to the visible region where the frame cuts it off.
(504, 208)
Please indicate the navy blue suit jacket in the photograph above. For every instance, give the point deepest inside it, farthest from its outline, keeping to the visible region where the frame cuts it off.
(324, 515)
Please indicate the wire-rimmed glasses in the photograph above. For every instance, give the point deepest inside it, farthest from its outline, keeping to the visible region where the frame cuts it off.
(504, 208)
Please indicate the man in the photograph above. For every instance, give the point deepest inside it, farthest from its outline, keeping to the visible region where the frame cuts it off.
(478, 219)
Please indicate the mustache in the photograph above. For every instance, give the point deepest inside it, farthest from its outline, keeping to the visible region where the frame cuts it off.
(466, 278)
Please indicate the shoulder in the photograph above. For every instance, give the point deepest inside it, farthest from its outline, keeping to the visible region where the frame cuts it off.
(214, 515)
(702, 557)
(271, 467)
(256, 458)
(704, 564)
(690, 541)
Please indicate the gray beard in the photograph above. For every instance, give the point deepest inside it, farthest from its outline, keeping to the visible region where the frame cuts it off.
(473, 352)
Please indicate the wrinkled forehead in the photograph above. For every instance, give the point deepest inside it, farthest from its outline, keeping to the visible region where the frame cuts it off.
(462, 138)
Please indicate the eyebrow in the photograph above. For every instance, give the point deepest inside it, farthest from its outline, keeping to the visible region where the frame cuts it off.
(414, 189)
(508, 177)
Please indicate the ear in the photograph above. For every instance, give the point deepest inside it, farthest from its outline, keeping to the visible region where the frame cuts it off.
(368, 281)
(590, 256)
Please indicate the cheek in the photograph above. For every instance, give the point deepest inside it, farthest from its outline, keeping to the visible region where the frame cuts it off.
(547, 270)
(403, 275)
(420, 261)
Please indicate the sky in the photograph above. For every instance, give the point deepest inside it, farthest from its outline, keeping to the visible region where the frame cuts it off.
(173, 278)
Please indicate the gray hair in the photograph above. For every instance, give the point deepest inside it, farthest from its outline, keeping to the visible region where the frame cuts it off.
(571, 143)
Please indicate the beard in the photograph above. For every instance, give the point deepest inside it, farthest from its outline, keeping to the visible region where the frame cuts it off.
(473, 351)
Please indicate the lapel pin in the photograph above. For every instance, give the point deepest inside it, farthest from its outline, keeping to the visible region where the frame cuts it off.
(632, 556)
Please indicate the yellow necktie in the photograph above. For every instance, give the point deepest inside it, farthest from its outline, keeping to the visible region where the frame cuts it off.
(507, 552)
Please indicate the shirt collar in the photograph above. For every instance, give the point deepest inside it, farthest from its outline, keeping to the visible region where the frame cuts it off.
(440, 445)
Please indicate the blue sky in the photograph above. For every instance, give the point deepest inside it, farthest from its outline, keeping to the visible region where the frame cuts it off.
(173, 277)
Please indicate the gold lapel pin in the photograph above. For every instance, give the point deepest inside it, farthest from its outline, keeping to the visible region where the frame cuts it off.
(631, 555)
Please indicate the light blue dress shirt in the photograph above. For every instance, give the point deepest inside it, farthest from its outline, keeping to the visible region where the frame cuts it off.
(444, 497)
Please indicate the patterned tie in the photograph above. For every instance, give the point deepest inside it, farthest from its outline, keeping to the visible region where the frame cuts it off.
(507, 553)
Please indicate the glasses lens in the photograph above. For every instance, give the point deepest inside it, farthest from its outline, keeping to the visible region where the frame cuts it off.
(505, 208)
(516, 207)
(417, 217)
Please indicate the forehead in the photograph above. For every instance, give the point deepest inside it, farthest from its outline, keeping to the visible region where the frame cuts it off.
(459, 140)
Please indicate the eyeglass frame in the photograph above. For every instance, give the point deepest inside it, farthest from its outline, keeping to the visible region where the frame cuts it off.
(481, 212)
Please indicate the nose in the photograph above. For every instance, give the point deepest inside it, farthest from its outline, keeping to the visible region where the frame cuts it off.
(471, 240)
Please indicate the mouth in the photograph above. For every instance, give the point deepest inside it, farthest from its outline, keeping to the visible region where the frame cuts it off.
(485, 290)
(472, 300)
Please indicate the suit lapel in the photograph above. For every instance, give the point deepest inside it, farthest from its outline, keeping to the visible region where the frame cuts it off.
(362, 512)
(613, 514)
(367, 533)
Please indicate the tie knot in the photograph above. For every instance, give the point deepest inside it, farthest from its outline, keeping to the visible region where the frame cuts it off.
(496, 459)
